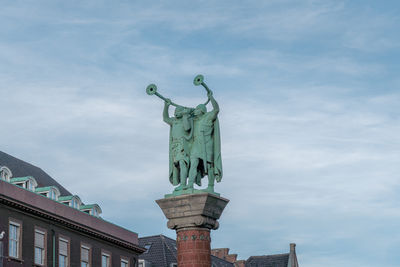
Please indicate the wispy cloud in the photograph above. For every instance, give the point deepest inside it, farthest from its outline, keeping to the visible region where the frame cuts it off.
(309, 114)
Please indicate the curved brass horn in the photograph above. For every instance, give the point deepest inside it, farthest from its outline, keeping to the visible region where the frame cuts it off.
(151, 89)
(199, 79)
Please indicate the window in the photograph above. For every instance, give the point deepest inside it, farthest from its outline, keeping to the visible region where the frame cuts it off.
(40, 249)
(147, 247)
(5, 173)
(63, 255)
(85, 256)
(74, 203)
(51, 195)
(105, 260)
(124, 262)
(30, 186)
(14, 239)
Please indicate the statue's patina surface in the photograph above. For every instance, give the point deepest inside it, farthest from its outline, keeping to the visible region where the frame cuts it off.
(194, 143)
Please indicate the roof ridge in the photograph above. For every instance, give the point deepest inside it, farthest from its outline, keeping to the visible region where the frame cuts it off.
(17, 166)
(164, 236)
(166, 244)
(19, 159)
(163, 250)
(157, 236)
(30, 164)
(273, 255)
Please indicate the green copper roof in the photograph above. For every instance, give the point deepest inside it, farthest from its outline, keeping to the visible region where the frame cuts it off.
(20, 179)
(68, 198)
(90, 206)
(45, 189)
(65, 198)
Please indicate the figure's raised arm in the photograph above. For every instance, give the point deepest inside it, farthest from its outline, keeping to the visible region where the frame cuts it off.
(215, 105)
(166, 117)
(186, 121)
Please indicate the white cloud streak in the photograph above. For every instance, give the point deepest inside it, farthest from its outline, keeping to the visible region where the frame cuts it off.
(310, 138)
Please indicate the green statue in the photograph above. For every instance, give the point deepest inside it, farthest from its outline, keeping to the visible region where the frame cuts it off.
(179, 137)
(194, 143)
(205, 153)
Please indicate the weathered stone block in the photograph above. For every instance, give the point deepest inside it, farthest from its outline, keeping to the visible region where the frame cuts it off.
(195, 210)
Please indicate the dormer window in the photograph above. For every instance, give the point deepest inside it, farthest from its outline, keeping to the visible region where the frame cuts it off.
(92, 209)
(51, 192)
(72, 201)
(5, 174)
(30, 186)
(27, 182)
(147, 247)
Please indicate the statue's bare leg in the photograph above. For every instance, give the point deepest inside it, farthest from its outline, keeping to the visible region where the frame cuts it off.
(211, 178)
(175, 175)
(183, 174)
(193, 171)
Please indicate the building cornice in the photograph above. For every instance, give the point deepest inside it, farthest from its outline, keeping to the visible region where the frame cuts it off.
(43, 207)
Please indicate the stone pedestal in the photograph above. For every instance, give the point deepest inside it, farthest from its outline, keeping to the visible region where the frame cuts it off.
(193, 216)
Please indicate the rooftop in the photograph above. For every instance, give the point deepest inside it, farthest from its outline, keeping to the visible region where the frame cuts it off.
(21, 168)
(162, 251)
(34, 202)
(20, 179)
(278, 260)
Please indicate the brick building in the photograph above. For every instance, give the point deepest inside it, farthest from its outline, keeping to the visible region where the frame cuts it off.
(43, 224)
(277, 260)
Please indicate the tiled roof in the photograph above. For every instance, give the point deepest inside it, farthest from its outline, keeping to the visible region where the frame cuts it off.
(217, 262)
(52, 210)
(279, 260)
(21, 171)
(20, 168)
(163, 251)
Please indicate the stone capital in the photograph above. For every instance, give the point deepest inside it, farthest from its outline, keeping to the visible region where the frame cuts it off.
(193, 211)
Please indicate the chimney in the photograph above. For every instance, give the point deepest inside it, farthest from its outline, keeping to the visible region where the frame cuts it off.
(220, 252)
(240, 263)
(231, 258)
(292, 256)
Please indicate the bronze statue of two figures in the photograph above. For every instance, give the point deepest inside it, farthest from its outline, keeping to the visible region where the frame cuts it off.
(194, 142)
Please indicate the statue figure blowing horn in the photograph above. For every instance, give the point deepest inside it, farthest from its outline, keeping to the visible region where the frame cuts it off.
(195, 145)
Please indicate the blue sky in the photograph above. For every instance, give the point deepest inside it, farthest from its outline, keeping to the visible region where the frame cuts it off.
(309, 94)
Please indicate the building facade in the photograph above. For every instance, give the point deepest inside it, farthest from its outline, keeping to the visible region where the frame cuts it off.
(43, 224)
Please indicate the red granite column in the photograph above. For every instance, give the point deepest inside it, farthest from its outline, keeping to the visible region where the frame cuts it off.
(193, 216)
(194, 249)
